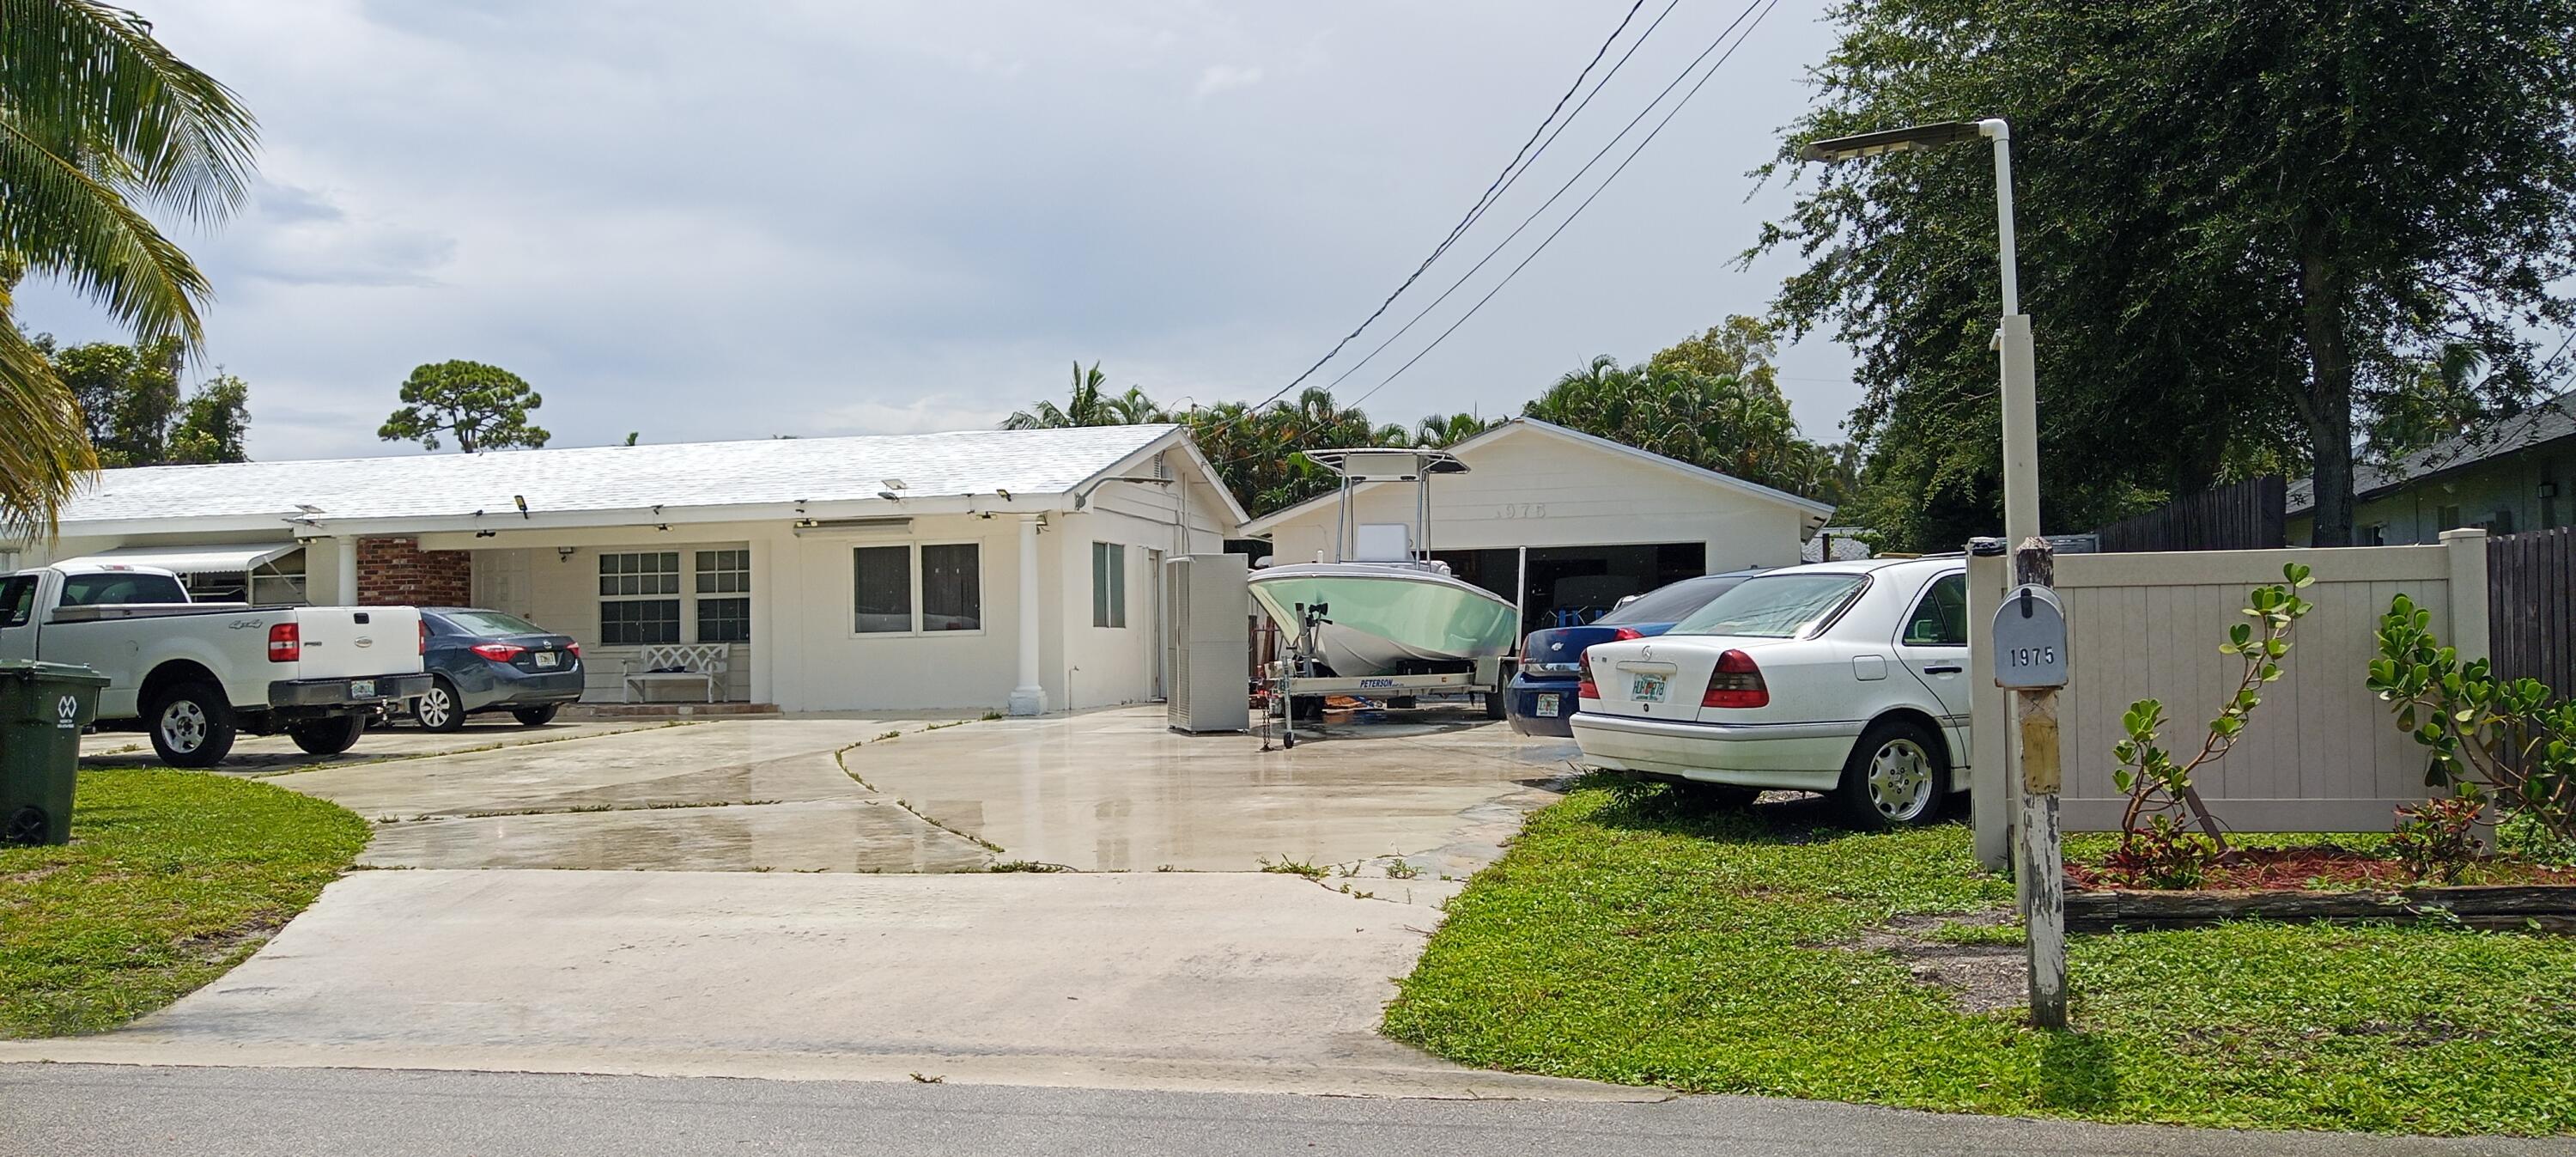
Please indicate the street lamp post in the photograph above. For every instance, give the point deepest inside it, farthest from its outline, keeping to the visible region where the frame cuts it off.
(2039, 874)
(2021, 410)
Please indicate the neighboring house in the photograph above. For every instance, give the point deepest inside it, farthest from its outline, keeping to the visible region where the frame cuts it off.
(970, 570)
(1565, 523)
(2512, 476)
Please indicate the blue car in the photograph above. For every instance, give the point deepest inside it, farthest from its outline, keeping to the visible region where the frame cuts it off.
(1543, 692)
(488, 661)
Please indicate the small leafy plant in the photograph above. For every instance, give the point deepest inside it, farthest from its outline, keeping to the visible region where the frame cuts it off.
(2438, 838)
(2154, 839)
(2503, 735)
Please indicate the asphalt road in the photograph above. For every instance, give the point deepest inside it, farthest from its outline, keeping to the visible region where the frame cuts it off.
(134, 1111)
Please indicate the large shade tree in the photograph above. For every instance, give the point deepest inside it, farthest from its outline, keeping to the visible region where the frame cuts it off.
(2251, 231)
(99, 123)
(482, 407)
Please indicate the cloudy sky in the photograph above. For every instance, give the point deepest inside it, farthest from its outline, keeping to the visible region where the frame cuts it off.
(830, 216)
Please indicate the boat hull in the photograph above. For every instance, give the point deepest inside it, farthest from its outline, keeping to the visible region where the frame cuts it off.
(1386, 616)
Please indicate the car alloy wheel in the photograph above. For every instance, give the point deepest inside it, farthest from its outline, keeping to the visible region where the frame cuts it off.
(183, 725)
(1900, 779)
(434, 708)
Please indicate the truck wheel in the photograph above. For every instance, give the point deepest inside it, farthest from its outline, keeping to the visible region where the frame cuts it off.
(440, 708)
(328, 736)
(192, 725)
(1497, 705)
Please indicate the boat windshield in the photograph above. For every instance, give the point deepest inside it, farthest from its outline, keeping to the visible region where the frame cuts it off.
(1773, 606)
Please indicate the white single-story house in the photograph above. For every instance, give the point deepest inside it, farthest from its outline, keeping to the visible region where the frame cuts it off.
(1008, 569)
(1565, 523)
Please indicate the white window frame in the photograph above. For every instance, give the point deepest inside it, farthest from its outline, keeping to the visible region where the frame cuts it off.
(913, 574)
(1114, 600)
(678, 595)
(698, 594)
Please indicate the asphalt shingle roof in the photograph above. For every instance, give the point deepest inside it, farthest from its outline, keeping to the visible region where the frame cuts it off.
(606, 478)
(2545, 421)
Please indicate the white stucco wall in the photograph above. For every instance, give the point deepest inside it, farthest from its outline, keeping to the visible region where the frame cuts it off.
(805, 653)
(1529, 488)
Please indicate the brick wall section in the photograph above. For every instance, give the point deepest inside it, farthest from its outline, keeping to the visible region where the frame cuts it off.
(397, 572)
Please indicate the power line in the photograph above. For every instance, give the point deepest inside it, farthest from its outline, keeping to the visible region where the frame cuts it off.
(1494, 189)
(1561, 191)
(1757, 17)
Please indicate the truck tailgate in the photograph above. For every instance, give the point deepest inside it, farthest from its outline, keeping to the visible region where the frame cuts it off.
(346, 642)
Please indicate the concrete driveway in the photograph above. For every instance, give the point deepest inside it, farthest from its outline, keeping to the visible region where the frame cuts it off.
(804, 897)
(271, 754)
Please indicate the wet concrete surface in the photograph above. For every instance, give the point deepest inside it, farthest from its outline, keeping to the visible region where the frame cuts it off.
(861, 835)
(263, 755)
(1136, 980)
(1117, 791)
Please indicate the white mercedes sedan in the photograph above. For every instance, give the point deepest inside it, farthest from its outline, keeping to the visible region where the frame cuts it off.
(1846, 678)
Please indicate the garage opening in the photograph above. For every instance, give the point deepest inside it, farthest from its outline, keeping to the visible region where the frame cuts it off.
(1559, 586)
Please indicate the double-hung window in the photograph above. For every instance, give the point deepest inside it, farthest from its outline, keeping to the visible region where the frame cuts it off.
(724, 596)
(909, 589)
(1108, 584)
(639, 598)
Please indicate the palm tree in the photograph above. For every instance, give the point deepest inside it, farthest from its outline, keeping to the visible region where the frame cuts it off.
(1449, 431)
(96, 119)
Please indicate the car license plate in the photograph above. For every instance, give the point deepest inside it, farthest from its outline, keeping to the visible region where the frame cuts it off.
(1648, 689)
(1549, 706)
(362, 688)
(549, 659)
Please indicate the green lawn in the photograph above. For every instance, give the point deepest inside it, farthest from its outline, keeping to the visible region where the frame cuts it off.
(171, 878)
(1633, 942)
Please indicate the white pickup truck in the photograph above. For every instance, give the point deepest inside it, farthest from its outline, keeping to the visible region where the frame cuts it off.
(199, 673)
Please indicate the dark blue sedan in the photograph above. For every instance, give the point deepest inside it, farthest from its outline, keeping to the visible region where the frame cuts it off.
(488, 661)
(1543, 691)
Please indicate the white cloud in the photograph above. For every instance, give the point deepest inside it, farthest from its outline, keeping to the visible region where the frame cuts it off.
(1220, 77)
(705, 221)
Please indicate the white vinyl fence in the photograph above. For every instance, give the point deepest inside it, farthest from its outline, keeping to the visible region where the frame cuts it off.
(2322, 753)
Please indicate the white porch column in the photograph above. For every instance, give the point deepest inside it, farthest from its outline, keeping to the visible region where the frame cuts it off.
(1029, 698)
(348, 559)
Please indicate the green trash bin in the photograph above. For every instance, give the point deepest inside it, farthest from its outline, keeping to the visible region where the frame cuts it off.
(43, 707)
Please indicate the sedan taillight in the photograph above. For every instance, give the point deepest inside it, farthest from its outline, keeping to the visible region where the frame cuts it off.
(575, 648)
(499, 652)
(285, 643)
(1736, 683)
(424, 637)
(1587, 689)
(1624, 634)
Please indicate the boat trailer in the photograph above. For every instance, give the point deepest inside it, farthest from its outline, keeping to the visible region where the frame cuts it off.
(1293, 676)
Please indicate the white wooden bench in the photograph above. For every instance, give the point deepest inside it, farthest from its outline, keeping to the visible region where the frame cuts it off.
(676, 663)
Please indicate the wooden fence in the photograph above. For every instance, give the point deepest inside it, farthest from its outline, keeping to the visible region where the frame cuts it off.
(2531, 598)
(2322, 754)
(2251, 515)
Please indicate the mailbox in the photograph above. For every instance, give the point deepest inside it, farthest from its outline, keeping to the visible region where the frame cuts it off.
(2030, 639)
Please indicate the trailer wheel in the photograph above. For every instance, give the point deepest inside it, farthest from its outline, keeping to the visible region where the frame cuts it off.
(1497, 705)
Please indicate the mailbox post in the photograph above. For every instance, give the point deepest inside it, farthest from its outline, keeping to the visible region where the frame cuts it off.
(2030, 657)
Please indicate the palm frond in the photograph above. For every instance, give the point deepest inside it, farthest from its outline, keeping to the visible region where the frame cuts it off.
(67, 223)
(87, 80)
(46, 452)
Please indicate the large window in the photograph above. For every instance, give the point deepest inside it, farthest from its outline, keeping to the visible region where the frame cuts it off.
(908, 589)
(726, 574)
(952, 587)
(639, 600)
(17, 600)
(883, 578)
(1108, 584)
